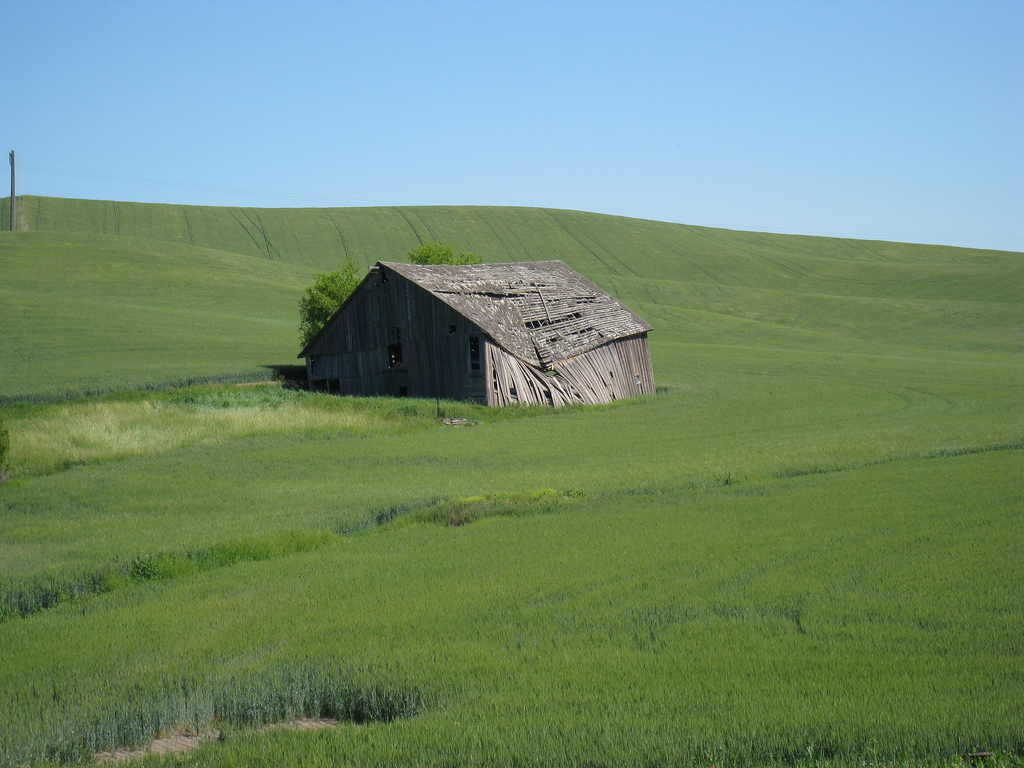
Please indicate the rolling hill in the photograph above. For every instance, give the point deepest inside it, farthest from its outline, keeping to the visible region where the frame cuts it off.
(801, 552)
(174, 292)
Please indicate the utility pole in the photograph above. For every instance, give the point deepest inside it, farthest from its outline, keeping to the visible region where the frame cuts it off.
(14, 206)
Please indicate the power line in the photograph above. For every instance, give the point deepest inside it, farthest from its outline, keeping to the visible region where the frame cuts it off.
(196, 187)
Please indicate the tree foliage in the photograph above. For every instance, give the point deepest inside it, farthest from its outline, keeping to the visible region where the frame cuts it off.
(436, 253)
(323, 297)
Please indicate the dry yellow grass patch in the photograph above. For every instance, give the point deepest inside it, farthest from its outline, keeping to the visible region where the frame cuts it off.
(82, 433)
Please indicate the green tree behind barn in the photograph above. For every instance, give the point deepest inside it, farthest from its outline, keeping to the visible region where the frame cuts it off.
(322, 299)
(438, 253)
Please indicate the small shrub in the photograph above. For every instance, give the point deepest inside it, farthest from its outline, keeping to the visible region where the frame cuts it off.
(437, 253)
(143, 568)
(5, 449)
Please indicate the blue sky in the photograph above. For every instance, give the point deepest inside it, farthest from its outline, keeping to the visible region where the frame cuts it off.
(890, 120)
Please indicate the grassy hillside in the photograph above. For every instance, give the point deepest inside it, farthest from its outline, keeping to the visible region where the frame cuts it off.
(86, 311)
(800, 552)
(229, 281)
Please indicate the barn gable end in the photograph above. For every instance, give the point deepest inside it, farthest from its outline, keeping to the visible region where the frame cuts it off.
(531, 332)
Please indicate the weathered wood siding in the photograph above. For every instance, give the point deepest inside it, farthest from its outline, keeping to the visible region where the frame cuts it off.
(620, 368)
(354, 354)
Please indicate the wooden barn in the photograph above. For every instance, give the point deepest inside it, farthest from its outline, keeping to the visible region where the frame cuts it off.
(496, 334)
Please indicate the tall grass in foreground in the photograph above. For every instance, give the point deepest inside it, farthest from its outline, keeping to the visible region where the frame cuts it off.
(23, 598)
(243, 699)
(51, 437)
(55, 437)
(869, 617)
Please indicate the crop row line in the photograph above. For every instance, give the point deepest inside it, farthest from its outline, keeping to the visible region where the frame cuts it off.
(27, 598)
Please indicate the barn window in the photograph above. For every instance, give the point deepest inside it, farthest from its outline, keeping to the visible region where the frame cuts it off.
(474, 353)
(451, 329)
(394, 347)
(394, 355)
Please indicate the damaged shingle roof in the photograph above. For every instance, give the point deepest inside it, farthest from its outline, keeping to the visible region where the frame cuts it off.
(542, 312)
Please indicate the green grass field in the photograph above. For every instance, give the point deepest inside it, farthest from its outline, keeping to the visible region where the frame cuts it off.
(804, 550)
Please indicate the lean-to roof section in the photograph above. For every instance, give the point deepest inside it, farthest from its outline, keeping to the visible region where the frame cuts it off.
(543, 312)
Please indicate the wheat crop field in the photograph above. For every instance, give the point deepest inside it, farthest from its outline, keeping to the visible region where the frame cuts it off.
(804, 550)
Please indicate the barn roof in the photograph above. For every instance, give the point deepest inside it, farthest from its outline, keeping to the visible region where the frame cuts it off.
(543, 312)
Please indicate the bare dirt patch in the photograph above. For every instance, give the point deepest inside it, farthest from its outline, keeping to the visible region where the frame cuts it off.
(183, 741)
(177, 742)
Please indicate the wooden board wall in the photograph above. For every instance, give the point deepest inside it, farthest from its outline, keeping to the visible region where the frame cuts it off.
(620, 368)
(352, 355)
